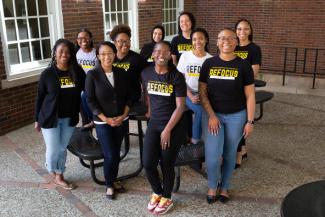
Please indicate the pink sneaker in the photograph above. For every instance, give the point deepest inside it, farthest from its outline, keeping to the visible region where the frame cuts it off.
(154, 201)
(164, 205)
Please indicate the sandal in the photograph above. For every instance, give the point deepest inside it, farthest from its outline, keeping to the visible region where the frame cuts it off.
(110, 196)
(66, 186)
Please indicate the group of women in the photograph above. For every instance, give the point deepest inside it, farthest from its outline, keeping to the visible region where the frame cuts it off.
(219, 90)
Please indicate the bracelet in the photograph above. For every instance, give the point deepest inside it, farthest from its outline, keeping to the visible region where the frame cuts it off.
(250, 122)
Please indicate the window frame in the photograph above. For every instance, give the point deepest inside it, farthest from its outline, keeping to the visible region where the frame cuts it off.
(178, 11)
(32, 68)
(132, 22)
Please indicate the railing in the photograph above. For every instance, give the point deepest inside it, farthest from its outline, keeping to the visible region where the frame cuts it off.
(311, 63)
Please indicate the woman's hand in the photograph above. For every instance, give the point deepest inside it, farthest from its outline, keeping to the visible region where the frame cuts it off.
(214, 125)
(248, 130)
(165, 139)
(117, 121)
(195, 99)
(37, 127)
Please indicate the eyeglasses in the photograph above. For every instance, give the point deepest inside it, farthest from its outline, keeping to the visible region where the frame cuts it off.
(227, 39)
(122, 42)
(83, 38)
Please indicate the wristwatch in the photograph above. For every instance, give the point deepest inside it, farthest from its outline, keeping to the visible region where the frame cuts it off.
(250, 122)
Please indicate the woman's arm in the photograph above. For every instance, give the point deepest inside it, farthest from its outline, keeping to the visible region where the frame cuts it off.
(250, 102)
(256, 69)
(176, 116)
(214, 123)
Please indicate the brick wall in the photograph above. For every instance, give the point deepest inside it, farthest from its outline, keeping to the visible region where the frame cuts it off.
(278, 23)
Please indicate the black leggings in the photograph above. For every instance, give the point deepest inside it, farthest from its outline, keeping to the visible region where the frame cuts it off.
(152, 153)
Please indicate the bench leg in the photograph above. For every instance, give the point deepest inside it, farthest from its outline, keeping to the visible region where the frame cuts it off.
(93, 173)
(126, 143)
(177, 181)
(261, 113)
(83, 163)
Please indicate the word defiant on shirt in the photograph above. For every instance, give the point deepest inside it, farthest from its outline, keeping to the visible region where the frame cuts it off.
(242, 54)
(66, 82)
(224, 73)
(124, 66)
(159, 88)
(184, 47)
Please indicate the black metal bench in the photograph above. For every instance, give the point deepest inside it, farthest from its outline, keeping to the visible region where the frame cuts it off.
(261, 97)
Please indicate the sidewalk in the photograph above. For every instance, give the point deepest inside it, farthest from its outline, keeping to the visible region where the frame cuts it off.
(286, 150)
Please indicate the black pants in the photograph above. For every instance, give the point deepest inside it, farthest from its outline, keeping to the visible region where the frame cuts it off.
(110, 139)
(152, 154)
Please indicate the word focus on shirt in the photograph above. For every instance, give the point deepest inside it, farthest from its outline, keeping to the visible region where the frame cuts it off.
(224, 73)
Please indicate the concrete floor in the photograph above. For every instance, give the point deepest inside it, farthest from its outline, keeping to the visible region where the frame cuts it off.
(286, 150)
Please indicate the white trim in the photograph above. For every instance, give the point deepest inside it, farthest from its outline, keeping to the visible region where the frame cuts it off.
(23, 70)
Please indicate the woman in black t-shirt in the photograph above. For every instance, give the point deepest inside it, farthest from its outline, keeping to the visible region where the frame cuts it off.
(127, 59)
(166, 132)
(157, 35)
(247, 50)
(182, 42)
(226, 88)
(57, 107)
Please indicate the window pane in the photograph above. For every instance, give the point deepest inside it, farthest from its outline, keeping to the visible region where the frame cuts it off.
(42, 9)
(113, 5)
(46, 45)
(107, 6)
(33, 28)
(119, 15)
(125, 5)
(13, 53)
(11, 30)
(107, 24)
(20, 8)
(173, 18)
(167, 29)
(114, 22)
(175, 28)
(36, 50)
(8, 8)
(22, 29)
(119, 5)
(31, 5)
(25, 55)
(165, 3)
(126, 18)
(44, 27)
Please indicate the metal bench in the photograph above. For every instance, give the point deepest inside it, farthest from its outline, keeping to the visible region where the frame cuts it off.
(261, 97)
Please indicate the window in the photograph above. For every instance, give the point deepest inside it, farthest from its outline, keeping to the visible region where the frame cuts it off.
(118, 12)
(171, 10)
(29, 31)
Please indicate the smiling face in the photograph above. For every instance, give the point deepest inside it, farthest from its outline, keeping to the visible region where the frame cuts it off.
(157, 35)
(161, 54)
(62, 54)
(243, 31)
(185, 23)
(227, 41)
(122, 43)
(106, 56)
(84, 40)
(199, 41)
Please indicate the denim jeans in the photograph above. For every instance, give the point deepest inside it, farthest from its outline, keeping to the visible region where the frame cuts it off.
(56, 141)
(196, 125)
(223, 145)
(86, 114)
(110, 139)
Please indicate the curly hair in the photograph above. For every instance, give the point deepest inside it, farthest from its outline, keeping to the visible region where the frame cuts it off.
(192, 19)
(118, 29)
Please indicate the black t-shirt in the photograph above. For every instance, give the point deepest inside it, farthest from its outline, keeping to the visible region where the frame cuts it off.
(251, 52)
(162, 91)
(132, 63)
(67, 93)
(225, 82)
(180, 44)
(146, 52)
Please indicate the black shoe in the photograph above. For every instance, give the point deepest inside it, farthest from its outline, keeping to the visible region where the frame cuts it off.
(237, 166)
(110, 196)
(244, 156)
(211, 199)
(223, 199)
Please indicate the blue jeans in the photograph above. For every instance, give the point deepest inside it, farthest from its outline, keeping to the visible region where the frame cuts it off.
(86, 113)
(56, 141)
(196, 125)
(110, 139)
(223, 145)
